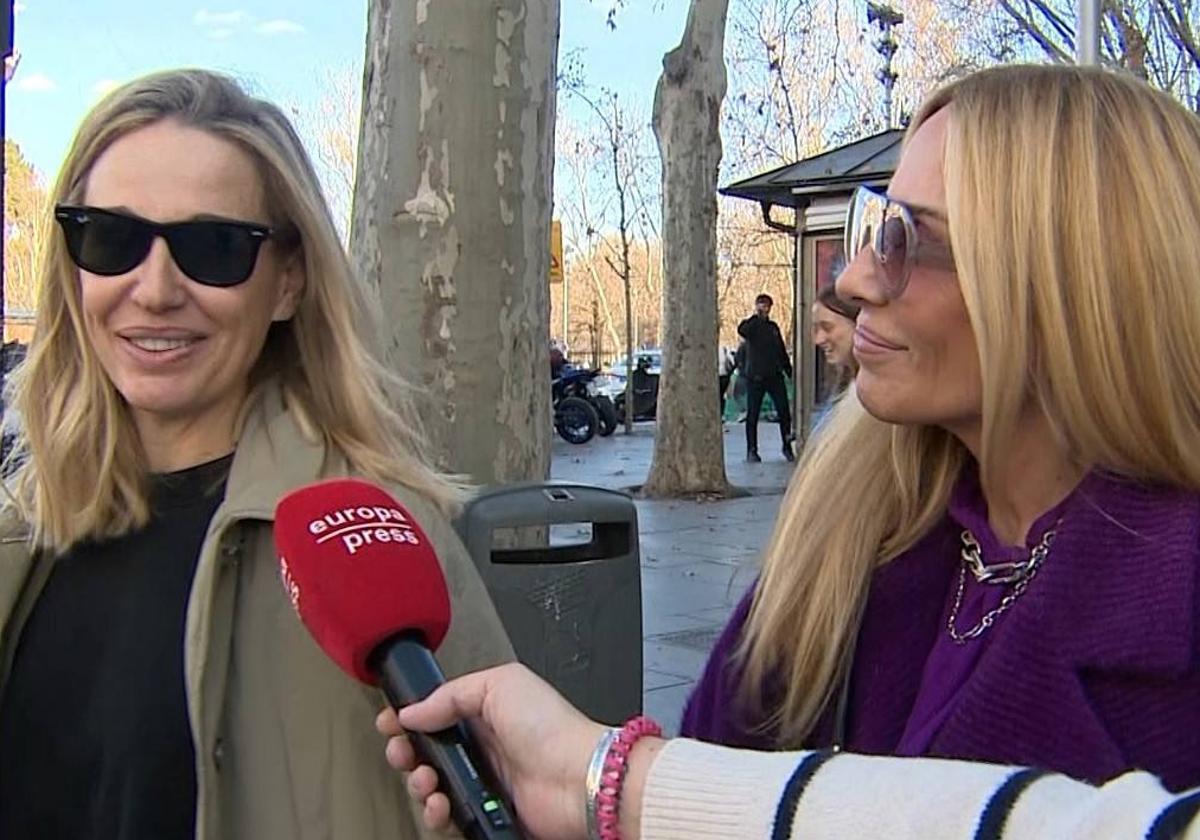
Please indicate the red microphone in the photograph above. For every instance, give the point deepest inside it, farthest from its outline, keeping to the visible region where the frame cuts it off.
(365, 581)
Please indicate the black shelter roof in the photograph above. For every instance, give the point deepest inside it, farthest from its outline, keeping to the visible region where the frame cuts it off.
(872, 159)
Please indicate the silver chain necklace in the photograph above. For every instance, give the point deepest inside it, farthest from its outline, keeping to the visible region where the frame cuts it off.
(1020, 574)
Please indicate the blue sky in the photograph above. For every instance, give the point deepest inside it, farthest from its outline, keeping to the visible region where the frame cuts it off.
(72, 50)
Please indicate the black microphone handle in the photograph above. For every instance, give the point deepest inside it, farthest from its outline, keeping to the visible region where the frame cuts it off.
(408, 673)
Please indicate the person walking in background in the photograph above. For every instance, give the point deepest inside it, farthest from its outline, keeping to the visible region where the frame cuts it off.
(766, 365)
(725, 366)
(738, 383)
(558, 360)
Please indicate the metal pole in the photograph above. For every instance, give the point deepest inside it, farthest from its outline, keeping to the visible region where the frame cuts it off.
(6, 46)
(887, 88)
(886, 18)
(1087, 32)
(566, 310)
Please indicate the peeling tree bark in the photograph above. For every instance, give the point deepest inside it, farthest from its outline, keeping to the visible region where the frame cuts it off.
(451, 219)
(689, 453)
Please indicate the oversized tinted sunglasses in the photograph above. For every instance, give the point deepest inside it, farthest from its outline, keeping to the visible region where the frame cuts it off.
(213, 252)
(888, 227)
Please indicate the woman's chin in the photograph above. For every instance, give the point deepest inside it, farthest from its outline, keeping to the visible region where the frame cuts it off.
(881, 402)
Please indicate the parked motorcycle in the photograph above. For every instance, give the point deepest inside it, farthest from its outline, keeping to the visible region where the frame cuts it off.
(580, 384)
(575, 420)
(645, 394)
(607, 412)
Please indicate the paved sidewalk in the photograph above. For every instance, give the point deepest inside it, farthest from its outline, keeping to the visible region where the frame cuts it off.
(698, 558)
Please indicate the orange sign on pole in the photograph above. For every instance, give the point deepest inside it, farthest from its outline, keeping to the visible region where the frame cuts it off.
(556, 254)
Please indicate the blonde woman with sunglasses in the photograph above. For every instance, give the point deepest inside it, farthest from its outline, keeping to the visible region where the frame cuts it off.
(201, 348)
(992, 549)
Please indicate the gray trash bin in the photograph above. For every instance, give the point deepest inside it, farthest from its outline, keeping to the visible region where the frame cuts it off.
(573, 612)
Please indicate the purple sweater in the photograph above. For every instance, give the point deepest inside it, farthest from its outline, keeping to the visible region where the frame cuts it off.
(1093, 671)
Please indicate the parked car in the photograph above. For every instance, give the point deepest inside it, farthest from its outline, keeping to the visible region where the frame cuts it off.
(612, 382)
(620, 368)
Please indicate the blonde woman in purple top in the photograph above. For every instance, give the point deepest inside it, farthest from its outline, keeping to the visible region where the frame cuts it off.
(990, 550)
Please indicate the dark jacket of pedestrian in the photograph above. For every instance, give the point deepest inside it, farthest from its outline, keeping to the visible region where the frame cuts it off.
(766, 354)
(558, 361)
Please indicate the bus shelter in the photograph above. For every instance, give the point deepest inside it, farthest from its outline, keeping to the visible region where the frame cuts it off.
(817, 190)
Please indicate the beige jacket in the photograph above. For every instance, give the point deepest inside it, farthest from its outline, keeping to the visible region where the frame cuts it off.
(285, 742)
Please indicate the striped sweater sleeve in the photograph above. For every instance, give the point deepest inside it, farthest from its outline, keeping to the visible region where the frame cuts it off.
(702, 791)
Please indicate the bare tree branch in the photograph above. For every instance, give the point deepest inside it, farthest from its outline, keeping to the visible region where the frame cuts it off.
(1178, 22)
(1030, 28)
(1064, 29)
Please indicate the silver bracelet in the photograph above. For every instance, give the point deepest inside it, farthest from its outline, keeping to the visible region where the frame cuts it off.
(594, 773)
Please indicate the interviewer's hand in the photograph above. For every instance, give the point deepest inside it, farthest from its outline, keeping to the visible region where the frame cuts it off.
(537, 742)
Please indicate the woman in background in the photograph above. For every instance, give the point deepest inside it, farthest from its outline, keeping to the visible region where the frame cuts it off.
(833, 332)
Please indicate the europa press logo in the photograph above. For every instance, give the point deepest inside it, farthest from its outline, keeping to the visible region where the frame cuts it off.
(289, 584)
(356, 527)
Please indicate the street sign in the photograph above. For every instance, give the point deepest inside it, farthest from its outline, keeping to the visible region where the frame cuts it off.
(6, 28)
(556, 254)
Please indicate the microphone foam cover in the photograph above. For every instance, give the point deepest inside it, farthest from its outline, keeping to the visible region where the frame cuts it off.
(358, 570)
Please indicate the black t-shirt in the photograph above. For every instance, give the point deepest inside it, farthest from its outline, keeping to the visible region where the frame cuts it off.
(94, 733)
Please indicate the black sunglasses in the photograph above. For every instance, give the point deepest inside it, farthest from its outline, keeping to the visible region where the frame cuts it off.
(212, 252)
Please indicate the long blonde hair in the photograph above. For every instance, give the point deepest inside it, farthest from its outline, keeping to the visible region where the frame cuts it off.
(1073, 200)
(82, 472)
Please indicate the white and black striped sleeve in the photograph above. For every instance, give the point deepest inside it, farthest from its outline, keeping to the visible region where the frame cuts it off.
(705, 792)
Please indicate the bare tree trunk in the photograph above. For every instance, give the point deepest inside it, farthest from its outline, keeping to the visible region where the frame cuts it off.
(452, 219)
(689, 453)
(598, 285)
(630, 367)
(624, 269)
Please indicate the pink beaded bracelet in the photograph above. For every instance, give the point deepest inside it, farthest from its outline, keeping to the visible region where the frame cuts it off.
(608, 798)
